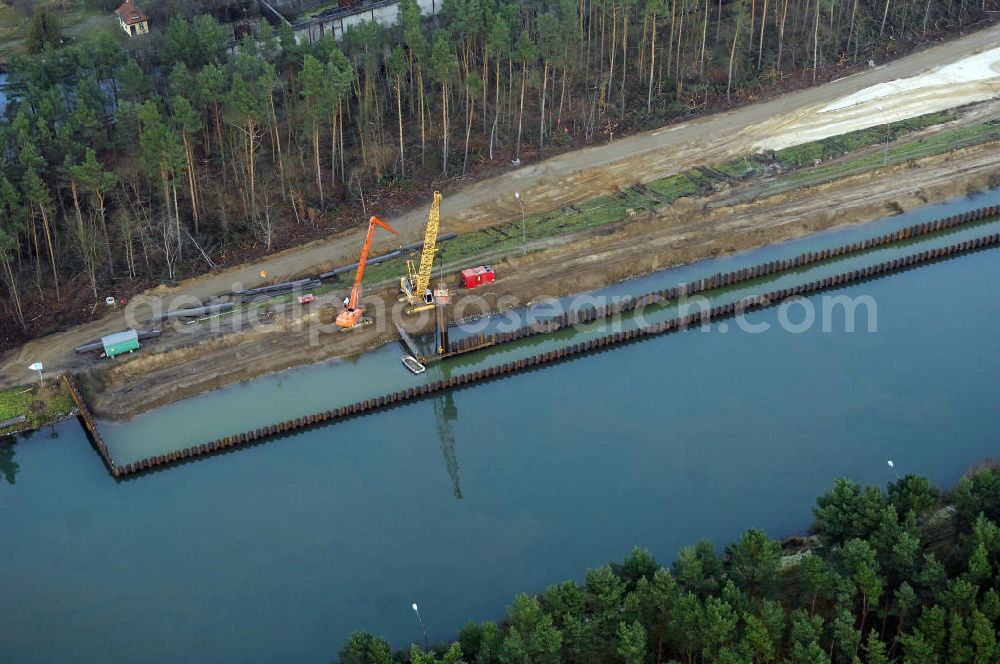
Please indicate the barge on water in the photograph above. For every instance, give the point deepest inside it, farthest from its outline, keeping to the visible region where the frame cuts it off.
(413, 365)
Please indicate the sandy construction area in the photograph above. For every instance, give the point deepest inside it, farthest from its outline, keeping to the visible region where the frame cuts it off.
(965, 81)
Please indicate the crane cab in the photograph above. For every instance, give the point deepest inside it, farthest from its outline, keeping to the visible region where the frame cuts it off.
(348, 317)
(408, 286)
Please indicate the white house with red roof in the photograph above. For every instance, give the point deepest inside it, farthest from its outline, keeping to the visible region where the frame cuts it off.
(132, 19)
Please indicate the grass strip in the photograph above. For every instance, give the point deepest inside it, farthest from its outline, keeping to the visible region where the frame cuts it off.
(42, 404)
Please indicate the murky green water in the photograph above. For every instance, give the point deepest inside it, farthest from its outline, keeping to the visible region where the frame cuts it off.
(276, 552)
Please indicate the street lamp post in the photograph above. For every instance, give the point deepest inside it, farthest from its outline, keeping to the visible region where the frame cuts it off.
(524, 242)
(416, 610)
(885, 118)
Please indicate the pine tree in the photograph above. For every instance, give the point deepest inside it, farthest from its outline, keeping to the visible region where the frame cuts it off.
(43, 31)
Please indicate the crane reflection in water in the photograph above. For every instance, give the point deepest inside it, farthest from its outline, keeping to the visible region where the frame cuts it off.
(445, 413)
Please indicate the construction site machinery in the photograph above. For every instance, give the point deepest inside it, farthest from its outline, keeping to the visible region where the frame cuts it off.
(351, 313)
(442, 299)
(416, 284)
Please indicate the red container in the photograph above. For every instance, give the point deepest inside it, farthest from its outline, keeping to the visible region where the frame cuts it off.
(476, 276)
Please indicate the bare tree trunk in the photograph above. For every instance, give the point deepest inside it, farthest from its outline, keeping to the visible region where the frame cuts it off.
(218, 128)
(816, 43)
(763, 22)
(541, 124)
(177, 218)
(624, 56)
(470, 104)
(251, 136)
(670, 41)
(885, 15)
(333, 150)
(640, 68)
(46, 229)
(102, 216)
(340, 132)
(192, 186)
(486, 84)
(652, 63)
(704, 34)
(718, 23)
(316, 164)
(562, 95)
(38, 249)
(678, 81)
(614, 43)
(850, 31)
(732, 57)
(781, 35)
(510, 92)
(496, 109)
(277, 143)
(86, 246)
(444, 120)
(520, 116)
(12, 286)
(423, 131)
(399, 112)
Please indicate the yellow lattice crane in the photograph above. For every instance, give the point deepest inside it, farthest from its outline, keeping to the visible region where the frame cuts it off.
(416, 284)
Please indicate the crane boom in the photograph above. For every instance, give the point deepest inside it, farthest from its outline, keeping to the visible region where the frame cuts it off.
(430, 244)
(351, 313)
(415, 285)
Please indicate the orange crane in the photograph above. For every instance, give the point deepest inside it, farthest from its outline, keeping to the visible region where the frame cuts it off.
(351, 313)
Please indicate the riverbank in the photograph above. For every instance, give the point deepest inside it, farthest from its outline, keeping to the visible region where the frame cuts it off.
(684, 231)
(40, 404)
(646, 303)
(769, 600)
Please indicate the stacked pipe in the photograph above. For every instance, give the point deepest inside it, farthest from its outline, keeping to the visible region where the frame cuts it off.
(375, 260)
(276, 289)
(591, 345)
(99, 345)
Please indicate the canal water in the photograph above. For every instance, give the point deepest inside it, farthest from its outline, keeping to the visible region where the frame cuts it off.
(277, 552)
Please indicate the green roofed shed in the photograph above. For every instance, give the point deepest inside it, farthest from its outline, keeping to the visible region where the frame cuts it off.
(120, 342)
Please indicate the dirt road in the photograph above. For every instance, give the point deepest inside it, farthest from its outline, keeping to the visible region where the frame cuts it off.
(580, 175)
